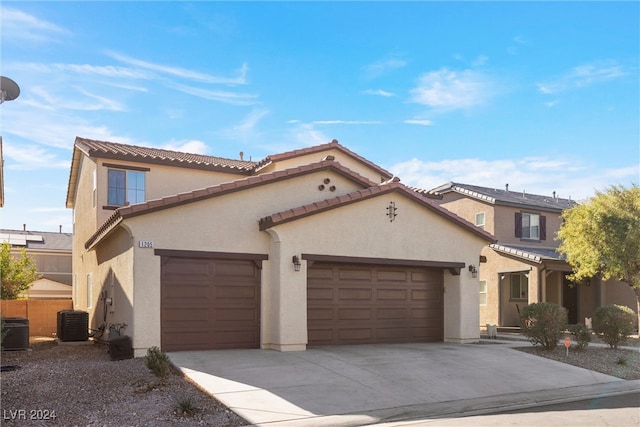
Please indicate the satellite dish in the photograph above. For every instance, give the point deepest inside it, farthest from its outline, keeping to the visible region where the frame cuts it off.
(9, 89)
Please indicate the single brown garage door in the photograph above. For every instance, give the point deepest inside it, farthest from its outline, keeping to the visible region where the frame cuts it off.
(364, 304)
(209, 304)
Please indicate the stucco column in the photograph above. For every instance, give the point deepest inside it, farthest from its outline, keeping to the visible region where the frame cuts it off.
(288, 298)
(461, 308)
(534, 285)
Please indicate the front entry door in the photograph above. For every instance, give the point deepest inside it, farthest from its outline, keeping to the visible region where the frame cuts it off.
(570, 300)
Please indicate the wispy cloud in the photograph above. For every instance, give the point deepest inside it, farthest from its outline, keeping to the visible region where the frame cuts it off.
(583, 76)
(20, 26)
(346, 122)
(451, 90)
(239, 79)
(379, 92)
(31, 157)
(419, 122)
(534, 175)
(226, 97)
(54, 128)
(379, 68)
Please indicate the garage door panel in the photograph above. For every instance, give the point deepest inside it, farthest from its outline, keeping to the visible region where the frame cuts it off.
(323, 336)
(186, 268)
(234, 269)
(235, 315)
(392, 294)
(212, 308)
(373, 304)
(235, 292)
(319, 273)
(355, 334)
(354, 314)
(355, 293)
(392, 276)
(391, 313)
(354, 274)
(318, 293)
(320, 314)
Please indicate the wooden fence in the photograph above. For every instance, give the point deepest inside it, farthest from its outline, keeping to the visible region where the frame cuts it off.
(42, 314)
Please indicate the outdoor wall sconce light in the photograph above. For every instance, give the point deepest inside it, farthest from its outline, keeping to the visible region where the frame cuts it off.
(296, 263)
(474, 271)
(391, 211)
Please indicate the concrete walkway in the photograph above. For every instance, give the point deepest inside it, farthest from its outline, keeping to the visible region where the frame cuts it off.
(369, 384)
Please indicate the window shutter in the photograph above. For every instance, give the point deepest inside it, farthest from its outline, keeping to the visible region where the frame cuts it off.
(518, 224)
(543, 227)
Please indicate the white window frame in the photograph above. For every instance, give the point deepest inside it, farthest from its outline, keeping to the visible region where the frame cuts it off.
(527, 231)
(483, 292)
(480, 224)
(127, 178)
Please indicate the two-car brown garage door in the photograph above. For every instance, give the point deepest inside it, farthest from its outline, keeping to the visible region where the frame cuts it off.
(363, 304)
(209, 303)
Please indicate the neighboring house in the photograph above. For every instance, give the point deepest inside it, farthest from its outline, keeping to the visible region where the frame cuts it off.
(310, 247)
(52, 254)
(523, 266)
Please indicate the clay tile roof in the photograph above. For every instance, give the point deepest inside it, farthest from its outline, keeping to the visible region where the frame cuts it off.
(319, 148)
(358, 195)
(112, 150)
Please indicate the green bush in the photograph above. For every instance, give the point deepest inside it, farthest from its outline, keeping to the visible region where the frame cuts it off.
(543, 323)
(582, 336)
(614, 323)
(158, 362)
(186, 406)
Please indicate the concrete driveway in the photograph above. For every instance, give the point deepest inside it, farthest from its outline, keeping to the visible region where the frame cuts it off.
(368, 384)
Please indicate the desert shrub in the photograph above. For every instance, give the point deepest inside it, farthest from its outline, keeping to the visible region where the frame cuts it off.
(614, 323)
(582, 335)
(157, 362)
(186, 406)
(543, 323)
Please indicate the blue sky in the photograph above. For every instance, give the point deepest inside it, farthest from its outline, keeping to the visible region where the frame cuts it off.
(543, 95)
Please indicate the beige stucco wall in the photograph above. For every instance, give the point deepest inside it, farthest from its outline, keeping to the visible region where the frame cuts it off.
(229, 223)
(161, 181)
(467, 208)
(84, 224)
(364, 230)
(340, 157)
(505, 227)
(226, 223)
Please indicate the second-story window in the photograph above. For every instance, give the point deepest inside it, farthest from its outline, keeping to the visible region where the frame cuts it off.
(126, 187)
(480, 220)
(530, 226)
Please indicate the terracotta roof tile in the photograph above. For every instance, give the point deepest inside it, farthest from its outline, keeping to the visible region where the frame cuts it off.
(112, 150)
(358, 195)
(319, 148)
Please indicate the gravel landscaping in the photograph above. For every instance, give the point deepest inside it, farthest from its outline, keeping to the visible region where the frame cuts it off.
(79, 385)
(620, 362)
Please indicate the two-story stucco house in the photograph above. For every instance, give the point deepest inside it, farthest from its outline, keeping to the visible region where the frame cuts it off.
(523, 266)
(310, 247)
